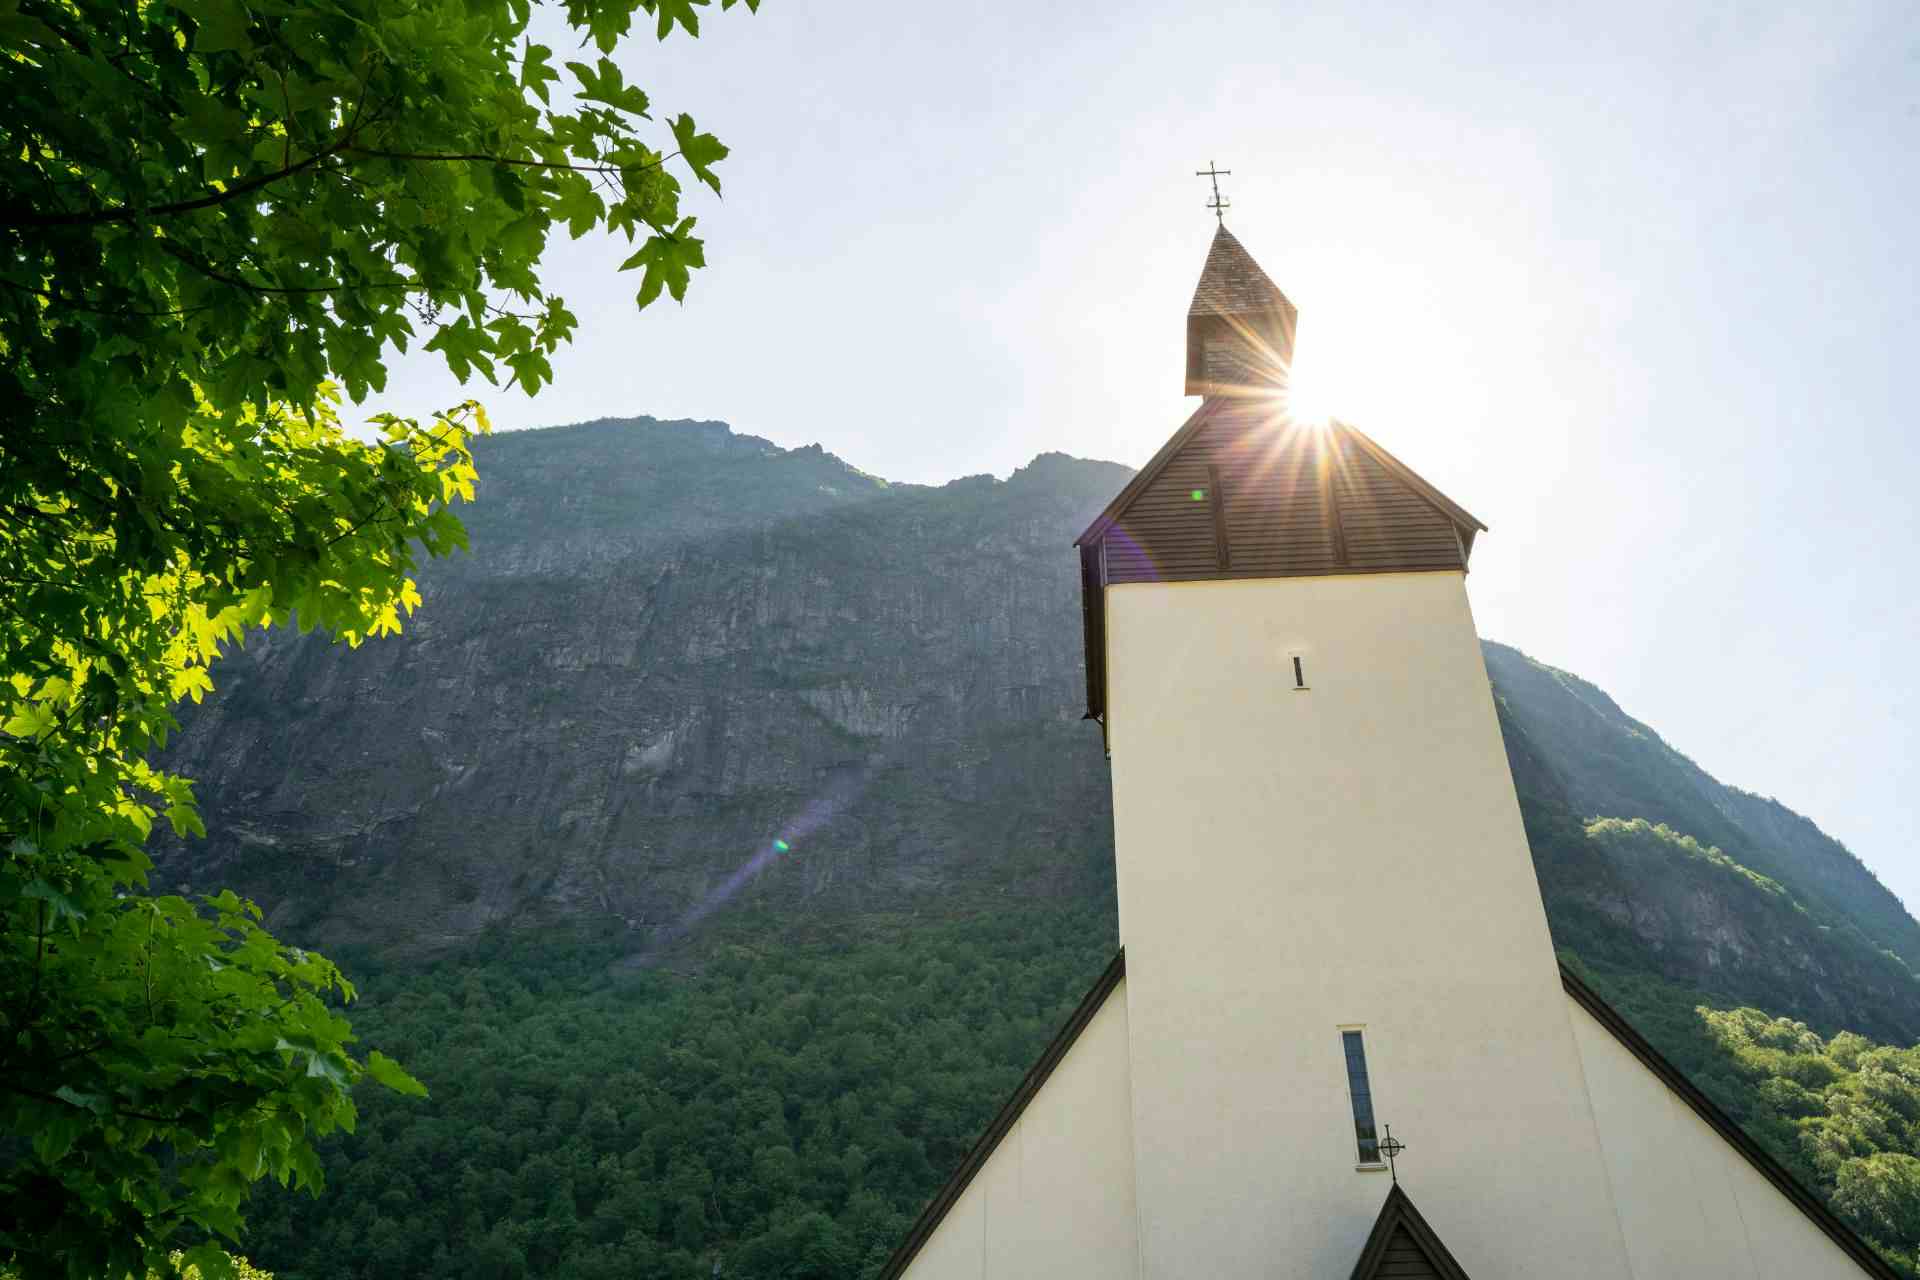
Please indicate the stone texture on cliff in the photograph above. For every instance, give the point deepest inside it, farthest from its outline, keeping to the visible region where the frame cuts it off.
(670, 645)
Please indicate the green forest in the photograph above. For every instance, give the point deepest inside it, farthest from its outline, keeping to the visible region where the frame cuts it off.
(780, 1108)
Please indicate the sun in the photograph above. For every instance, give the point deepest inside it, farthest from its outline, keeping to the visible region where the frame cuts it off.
(1313, 387)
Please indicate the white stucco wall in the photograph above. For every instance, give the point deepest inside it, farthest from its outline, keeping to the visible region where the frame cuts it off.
(1689, 1203)
(1055, 1199)
(1293, 862)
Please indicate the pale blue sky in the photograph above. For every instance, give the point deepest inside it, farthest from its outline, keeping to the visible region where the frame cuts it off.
(1635, 284)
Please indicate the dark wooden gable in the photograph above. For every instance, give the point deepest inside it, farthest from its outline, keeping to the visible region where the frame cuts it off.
(1403, 1247)
(1242, 491)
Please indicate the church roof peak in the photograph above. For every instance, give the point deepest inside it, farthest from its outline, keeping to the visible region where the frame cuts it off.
(1232, 283)
(1402, 1244)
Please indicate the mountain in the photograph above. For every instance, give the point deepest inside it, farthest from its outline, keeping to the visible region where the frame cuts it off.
(672, 644)
(1650, 865)
(721, 841)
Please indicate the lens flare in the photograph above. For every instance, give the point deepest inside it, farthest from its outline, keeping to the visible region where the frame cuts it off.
(842, 790)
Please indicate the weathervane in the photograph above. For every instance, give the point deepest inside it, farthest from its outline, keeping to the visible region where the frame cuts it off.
(1390, 1147)
(1218, 204)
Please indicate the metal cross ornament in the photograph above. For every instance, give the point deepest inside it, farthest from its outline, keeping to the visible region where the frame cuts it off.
(1390, 1147)
(1218, 204)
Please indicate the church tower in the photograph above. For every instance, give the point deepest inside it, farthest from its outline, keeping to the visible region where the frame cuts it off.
(1329, 917)
(1328, 906)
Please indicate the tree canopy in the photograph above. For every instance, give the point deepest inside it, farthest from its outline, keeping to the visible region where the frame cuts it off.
(219, 217)
(781, 1110)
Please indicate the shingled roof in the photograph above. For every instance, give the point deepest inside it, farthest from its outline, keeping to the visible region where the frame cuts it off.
(1240, 326)
(1232, 283)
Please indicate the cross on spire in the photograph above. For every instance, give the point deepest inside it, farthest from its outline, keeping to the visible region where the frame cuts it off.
(1218, 204)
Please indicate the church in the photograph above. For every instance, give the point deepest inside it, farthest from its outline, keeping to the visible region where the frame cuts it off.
(1336, 1041)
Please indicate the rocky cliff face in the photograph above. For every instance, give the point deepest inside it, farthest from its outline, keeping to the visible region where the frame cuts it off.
(674, 646)
(671, 646)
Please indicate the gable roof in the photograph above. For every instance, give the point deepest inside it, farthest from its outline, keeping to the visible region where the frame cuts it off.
(1009, 1114)
(1402, 1245)
(1232, 283)
(1260, 417)
(1004, 1119)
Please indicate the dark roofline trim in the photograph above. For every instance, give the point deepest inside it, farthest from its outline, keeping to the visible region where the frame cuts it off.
(1003, 1122)
(1398, 1211)
(1784, 1182)
(1144, 477)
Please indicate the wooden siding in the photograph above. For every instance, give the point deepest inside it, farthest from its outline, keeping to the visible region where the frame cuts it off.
(1402, 1246)
(1387, 524)
(1278, 500)
(1404, 1260)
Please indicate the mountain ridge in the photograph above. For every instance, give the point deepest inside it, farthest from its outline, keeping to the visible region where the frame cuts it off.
(674, 644)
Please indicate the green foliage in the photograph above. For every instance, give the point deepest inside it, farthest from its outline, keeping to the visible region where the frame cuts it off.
(1621, 833)
(1630, 895)
(216, 215)
(183, 1266)
(1570, 743)
(1841, 1113)
(781, 1107)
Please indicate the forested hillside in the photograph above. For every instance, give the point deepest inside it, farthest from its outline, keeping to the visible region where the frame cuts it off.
(721, 842)
(1648, 865)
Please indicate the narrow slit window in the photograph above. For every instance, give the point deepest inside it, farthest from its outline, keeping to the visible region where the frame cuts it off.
(1299, 673)
(1365, 1138)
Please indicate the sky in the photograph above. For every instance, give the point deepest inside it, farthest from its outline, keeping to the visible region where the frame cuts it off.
(1639, 285)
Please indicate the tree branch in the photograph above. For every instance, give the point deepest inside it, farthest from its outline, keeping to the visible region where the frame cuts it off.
(124, 214)
(119, 1111)
(208, 270)
(482, 157)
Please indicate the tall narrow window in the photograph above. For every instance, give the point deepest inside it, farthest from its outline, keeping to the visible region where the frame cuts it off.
(1364, 1136)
